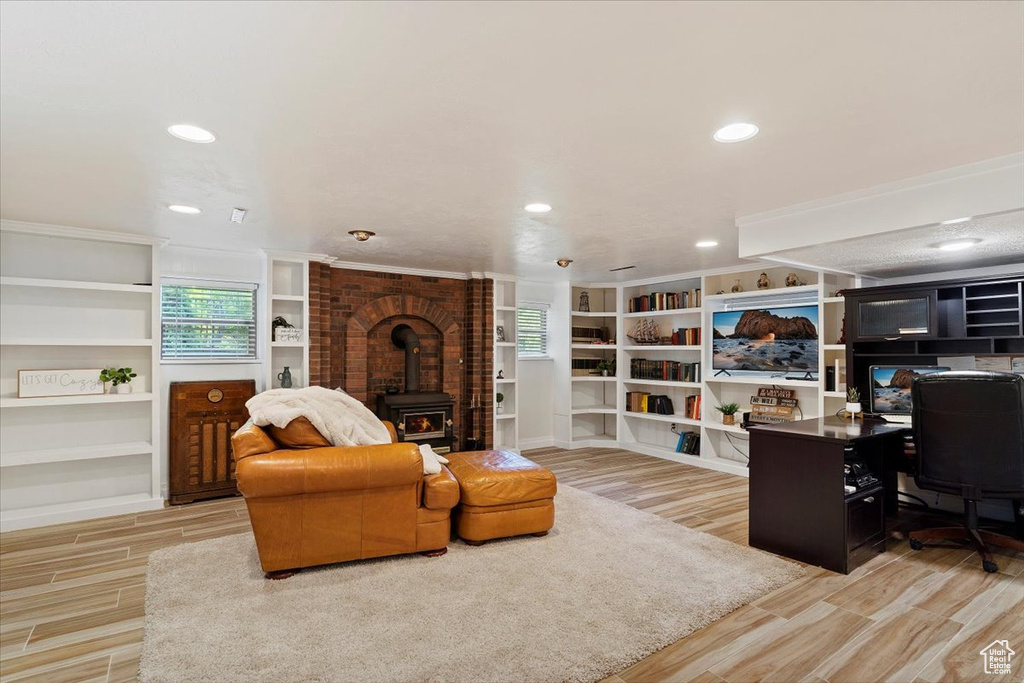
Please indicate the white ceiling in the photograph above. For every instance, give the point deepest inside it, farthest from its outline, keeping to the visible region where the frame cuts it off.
(434, 123)
(913, 251)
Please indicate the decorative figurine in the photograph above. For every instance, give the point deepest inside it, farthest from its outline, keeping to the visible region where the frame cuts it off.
(764, 282)
(793, 281)
(737, 287)
(584, 302)
(842, 334)
(501, 374)
(499, 333)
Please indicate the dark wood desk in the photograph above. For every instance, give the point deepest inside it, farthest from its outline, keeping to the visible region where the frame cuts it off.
(798, 507)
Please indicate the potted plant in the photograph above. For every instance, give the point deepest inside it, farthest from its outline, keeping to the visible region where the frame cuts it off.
(119, 378)
(728, 411)
(499, 398)
(606, 367)
(852, 402)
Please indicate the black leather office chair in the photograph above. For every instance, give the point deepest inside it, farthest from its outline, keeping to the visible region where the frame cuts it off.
(969, 431)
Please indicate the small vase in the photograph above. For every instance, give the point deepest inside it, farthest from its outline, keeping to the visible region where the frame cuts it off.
(728, 419)
(852, 409)
(737, 287)
(122, 388)
(285, 378)
(499, 408)
(604, 373)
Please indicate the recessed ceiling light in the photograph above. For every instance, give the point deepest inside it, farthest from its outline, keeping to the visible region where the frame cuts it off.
(537, 208)
(564, 262)
(361, 235)
(707, 244)
(736, 132)
(181, 208)
(185, 131)
(957, 245)
(957, 220)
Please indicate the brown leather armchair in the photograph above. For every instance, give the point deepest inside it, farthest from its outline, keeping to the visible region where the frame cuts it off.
(320, 505)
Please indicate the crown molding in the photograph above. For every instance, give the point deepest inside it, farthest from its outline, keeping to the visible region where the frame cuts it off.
(299, 256)
(71, 232)
(399, 270)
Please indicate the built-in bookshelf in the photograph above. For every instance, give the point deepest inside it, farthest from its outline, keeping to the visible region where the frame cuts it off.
(75, 299)
(287, 296)
(506, 364)
(593, 346)
(664, 391)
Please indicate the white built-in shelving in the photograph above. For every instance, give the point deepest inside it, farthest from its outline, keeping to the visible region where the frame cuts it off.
(287, 296)
(77, 299)
(595, 400)
(506, 362)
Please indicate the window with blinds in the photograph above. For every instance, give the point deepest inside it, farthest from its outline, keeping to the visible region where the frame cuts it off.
(206, 321)
(532, 331)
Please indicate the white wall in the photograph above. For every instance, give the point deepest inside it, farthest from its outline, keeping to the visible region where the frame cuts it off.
(206, 264)
(536, 379)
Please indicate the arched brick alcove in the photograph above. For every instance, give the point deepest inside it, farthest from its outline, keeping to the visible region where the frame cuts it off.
(370, 315)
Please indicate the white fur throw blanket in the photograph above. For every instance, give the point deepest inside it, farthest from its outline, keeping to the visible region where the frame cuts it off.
(341, 419)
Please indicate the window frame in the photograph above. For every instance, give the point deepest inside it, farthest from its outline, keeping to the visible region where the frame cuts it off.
(545, 308)
(236, 285)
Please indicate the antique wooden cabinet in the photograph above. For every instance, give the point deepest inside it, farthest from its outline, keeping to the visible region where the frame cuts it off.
(204, 415)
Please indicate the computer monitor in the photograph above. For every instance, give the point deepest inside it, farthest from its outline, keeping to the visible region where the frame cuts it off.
(890, 387)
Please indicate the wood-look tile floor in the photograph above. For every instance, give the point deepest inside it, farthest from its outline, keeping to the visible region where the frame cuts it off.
(72, 596)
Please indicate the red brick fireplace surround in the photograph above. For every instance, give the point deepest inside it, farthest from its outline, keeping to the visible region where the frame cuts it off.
(352, 313)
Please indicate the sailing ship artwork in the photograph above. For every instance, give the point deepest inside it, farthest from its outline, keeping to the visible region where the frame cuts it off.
(646, 331)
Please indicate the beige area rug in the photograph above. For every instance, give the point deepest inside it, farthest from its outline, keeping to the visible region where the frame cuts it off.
(608, 586)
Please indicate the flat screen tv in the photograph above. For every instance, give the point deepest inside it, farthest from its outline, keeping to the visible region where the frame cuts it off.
(780, 339)
(890, 387)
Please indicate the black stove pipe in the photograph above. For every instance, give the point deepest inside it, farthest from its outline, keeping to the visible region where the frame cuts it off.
(404, 337)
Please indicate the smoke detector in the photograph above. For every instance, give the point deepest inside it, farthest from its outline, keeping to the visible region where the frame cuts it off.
(238, 215)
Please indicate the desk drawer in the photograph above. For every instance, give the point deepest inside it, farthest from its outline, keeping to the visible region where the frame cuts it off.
(865, 518)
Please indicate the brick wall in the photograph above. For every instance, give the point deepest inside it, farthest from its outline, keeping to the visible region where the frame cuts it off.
(352, 313)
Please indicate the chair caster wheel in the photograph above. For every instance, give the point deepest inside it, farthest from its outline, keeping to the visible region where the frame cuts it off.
(988, 566)
(916, 544)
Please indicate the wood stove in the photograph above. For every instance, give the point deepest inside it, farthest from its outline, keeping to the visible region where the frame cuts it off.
(419, 417)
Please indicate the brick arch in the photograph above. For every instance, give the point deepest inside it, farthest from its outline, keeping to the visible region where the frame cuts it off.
(370, 315)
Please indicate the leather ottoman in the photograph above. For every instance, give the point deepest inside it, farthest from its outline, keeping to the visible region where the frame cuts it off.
(502, 494)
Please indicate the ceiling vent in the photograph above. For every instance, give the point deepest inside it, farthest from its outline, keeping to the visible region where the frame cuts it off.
(237, 215)
(614, 270)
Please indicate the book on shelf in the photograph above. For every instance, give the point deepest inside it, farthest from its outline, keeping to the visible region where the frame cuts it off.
(664, 370)
(664, 301)
(686, 336)
(692, 407)
(588, 334)
(644, 402)
(689, 443)
(584, 365)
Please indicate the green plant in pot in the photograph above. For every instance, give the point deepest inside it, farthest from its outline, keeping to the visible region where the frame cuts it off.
(853, 402)
(728, 411)
(119, 378)
(606, 367)
(499, 398)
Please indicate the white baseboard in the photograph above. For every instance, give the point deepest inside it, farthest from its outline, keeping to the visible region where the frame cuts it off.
(28, 518)
(539, 442)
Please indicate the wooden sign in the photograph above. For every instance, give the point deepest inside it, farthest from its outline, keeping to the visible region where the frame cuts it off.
(776, 393)
(39, 383)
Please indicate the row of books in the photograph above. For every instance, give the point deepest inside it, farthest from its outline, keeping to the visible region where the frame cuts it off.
(689, 443)
(688, 336)
(692, 407)
(588, 334)
(644, 402)
(664, 301)
(584, 365)
(669, 370)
